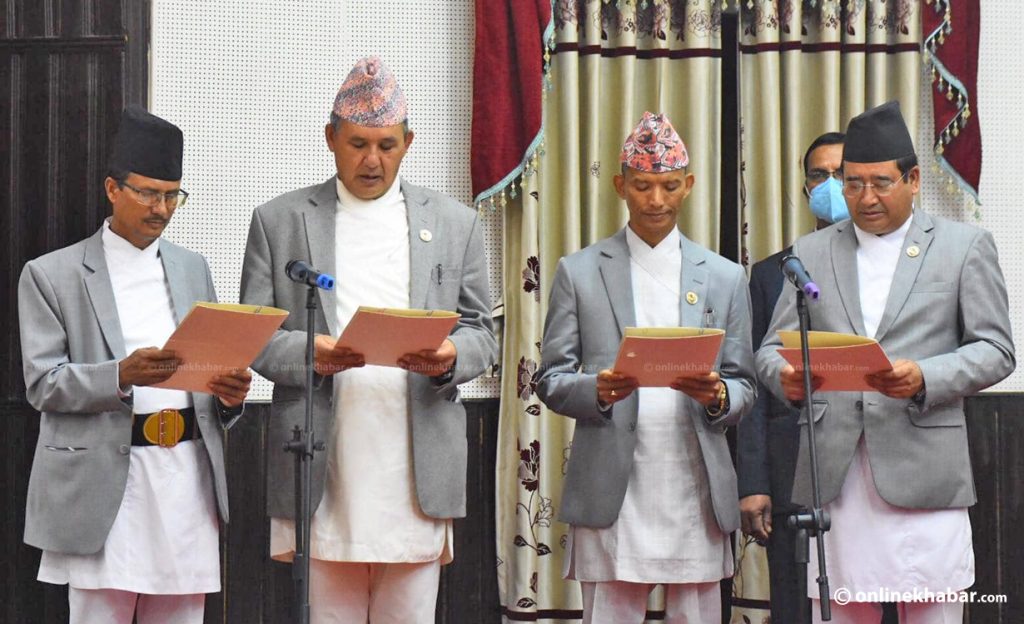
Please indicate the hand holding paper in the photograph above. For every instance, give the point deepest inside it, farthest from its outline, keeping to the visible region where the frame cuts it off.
(902, 382)
(612, 387)
(702, 388)
(146, 366)
(384, 336)
(658, 356)
(329, 358)
(842, 362)
(232, 387)
(217, 339)
(430, 362)
(792, 380)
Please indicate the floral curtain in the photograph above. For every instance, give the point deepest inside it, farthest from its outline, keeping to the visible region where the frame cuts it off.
(612, 60)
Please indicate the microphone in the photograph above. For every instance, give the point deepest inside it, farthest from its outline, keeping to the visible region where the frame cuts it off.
(299, 271)
(795, 272)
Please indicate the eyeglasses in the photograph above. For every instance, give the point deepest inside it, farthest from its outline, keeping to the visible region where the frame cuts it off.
(148, 197)
(883, 187)
(817, 176)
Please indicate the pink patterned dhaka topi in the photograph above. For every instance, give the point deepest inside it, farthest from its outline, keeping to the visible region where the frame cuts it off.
(370, 96)
(654, 146)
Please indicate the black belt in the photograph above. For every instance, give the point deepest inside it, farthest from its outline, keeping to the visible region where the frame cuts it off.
(164, 428)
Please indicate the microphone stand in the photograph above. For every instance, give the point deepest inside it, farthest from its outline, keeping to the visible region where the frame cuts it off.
(303, 445)
(815, 522)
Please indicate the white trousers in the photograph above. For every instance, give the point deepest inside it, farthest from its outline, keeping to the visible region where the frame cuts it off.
(342, 592)
(114, 606)
(619, 602)
(909, 612)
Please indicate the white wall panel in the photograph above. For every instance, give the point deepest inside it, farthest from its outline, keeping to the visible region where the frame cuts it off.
(251, 84)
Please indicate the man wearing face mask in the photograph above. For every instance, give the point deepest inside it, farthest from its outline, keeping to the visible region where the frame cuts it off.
(768, 438)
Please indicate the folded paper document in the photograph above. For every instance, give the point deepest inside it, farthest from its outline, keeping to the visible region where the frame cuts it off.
(842, 360)
(217, 337)
(383, 335)
(656, 356)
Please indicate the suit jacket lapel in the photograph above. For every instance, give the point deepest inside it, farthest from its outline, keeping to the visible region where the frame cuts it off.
(319, 217)
(177, 281)
(693, 278)
(615, 273)
(844, 264)
(422, 253)
(101, 294)
(907, 268)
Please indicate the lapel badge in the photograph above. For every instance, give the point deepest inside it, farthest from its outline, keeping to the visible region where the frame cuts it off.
(913, 251)
(691, 298)
(426, 236)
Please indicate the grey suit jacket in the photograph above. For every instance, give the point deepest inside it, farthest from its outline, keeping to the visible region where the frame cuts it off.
(947, 310)
(448, 272)
(591, 303)
(71, 343)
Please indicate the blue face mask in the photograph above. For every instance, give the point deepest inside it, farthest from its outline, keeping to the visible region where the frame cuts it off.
(827, 201)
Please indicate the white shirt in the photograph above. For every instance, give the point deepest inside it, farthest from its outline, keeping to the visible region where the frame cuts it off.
(370, 510)
(666, 531)
(165, 537)
(873, 545)
(876, 264)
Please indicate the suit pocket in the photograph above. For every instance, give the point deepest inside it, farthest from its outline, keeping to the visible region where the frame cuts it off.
(442, 274)
(820, 407)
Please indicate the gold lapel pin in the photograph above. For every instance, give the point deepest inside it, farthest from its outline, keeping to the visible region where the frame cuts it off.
(426, 236)
(691, 298)
(913, 251)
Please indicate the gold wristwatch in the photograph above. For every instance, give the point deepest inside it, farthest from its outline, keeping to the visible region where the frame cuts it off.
(723, 402)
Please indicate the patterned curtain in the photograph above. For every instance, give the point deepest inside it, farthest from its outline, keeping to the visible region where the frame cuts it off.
(807, 67)
(951, 33)
(612, 60)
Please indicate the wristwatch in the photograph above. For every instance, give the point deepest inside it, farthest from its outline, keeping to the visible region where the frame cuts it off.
(445, 377)
(723, 403)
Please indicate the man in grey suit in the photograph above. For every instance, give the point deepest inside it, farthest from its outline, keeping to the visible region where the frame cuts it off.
(895, 470)
(394, 473)
(650, 490)
(127, 479)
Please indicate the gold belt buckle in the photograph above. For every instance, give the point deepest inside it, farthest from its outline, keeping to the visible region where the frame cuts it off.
(164, 428)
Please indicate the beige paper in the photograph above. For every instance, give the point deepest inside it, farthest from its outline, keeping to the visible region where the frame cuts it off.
(656, 356)
(383, 335)
(842, 360)
(215, 338)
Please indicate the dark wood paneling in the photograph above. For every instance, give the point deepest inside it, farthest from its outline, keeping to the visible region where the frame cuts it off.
(247, 536)
(995, 425)
(24, 598)
(68, 68)
(469, 585)
(64, 71)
